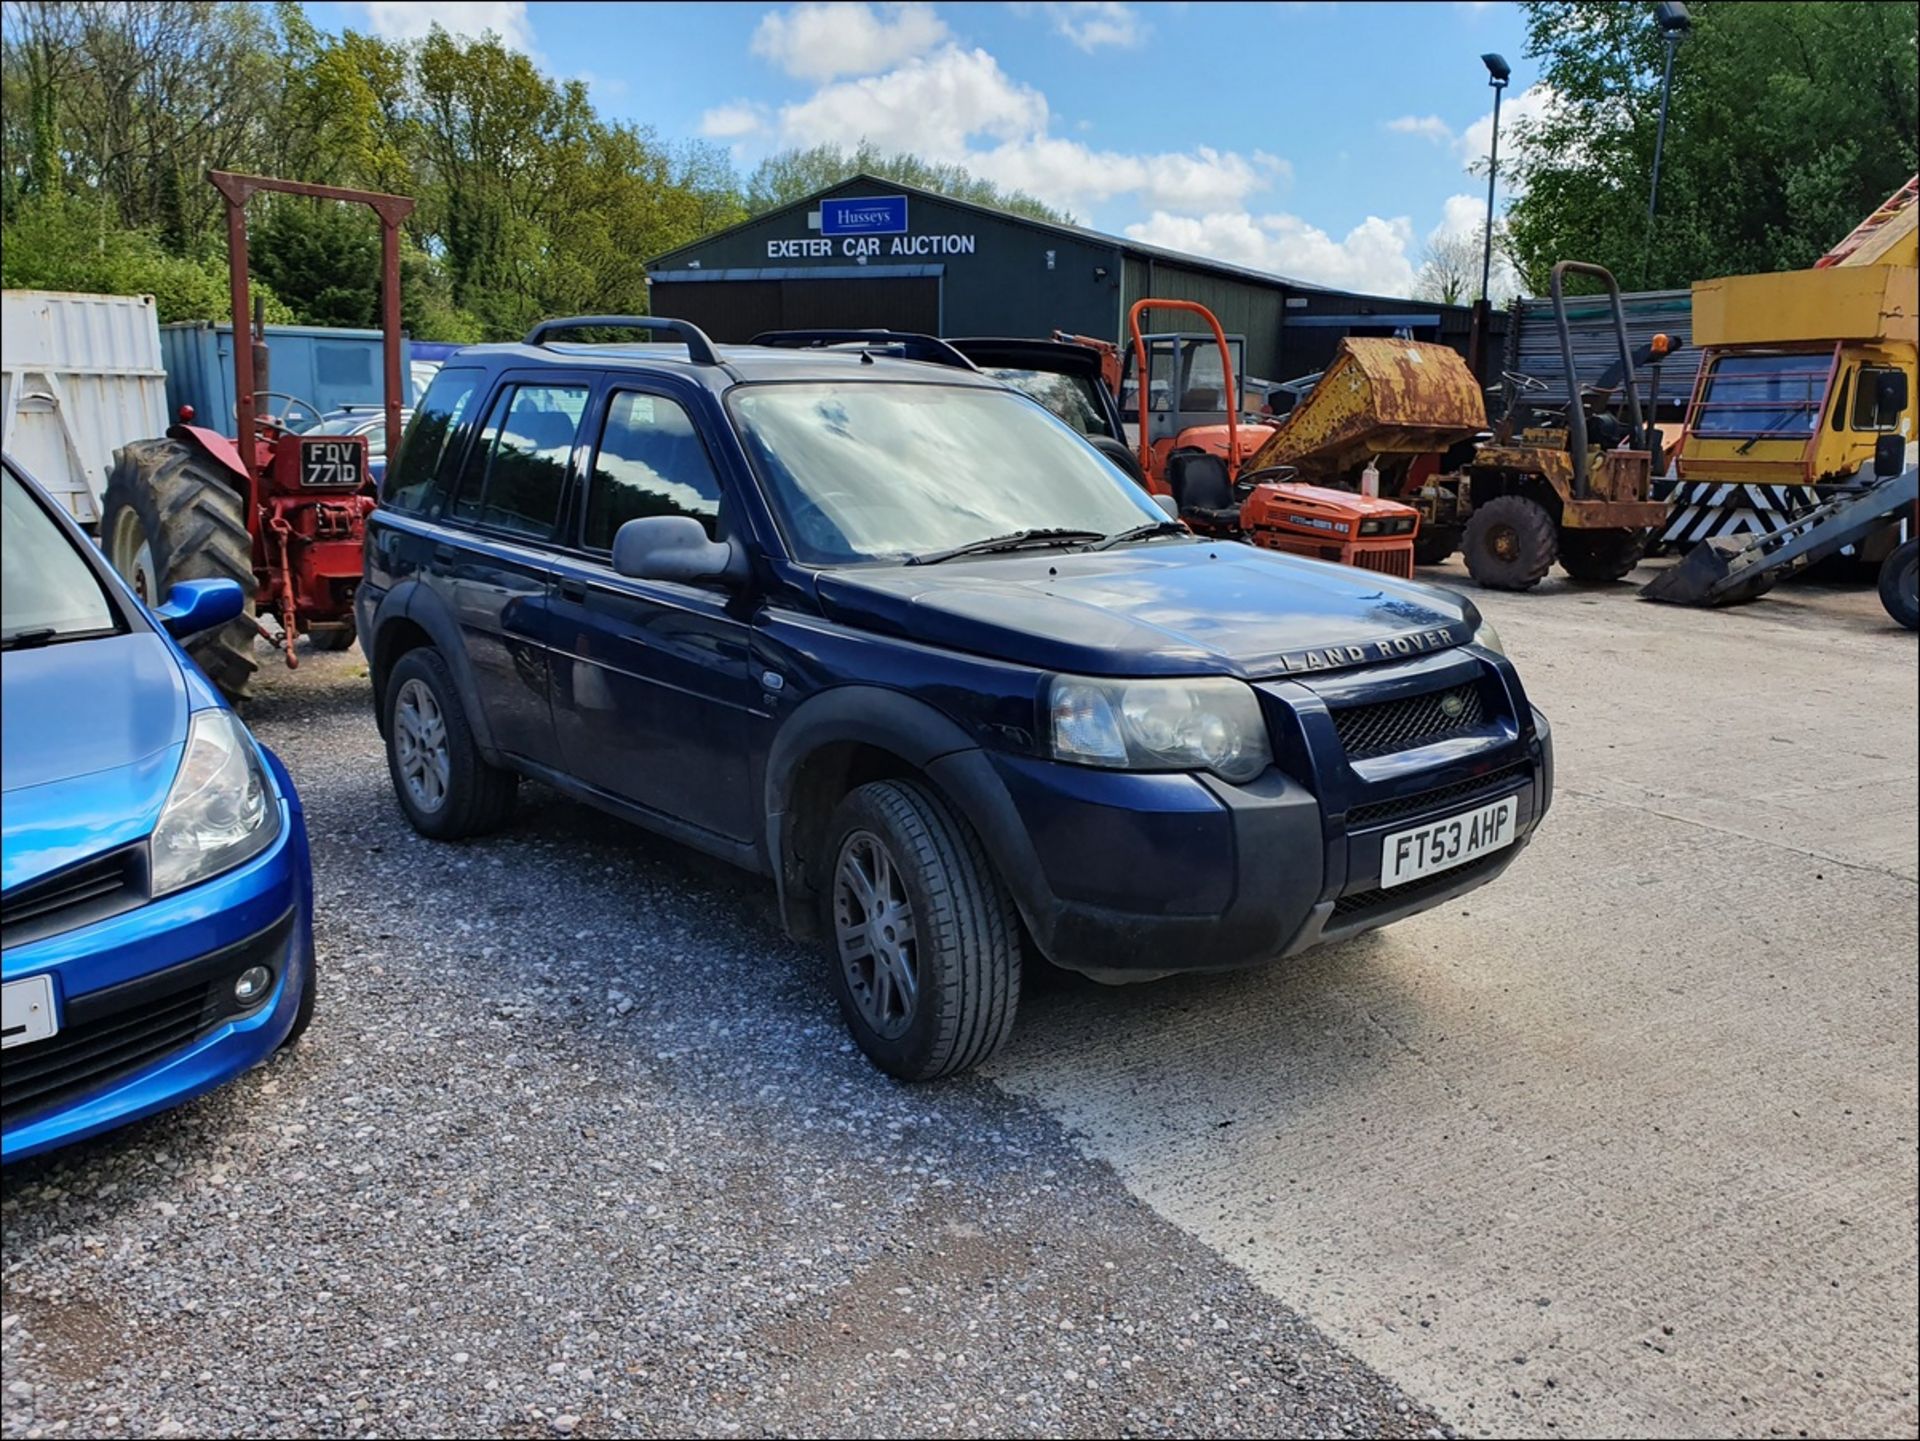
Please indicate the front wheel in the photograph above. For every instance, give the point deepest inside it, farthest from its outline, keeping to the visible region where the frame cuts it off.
(1510, 543)
(447, 788)
(926, 941)
(1597, 556)
(1434, 543)
(1900, 584)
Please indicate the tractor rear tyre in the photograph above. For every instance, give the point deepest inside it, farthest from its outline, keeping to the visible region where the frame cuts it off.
(1596, 556)
(1510, 544)
(1900, 584)
(169, 514)
(1434, 543)
(337, 638)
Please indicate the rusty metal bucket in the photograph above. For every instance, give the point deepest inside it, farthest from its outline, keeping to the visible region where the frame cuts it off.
(1702, 576)
(1378, 397)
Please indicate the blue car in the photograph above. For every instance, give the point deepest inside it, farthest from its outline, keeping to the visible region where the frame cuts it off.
(156, 897)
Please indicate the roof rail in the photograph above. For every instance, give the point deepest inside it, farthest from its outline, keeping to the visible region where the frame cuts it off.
(699, 348)
(912, 345)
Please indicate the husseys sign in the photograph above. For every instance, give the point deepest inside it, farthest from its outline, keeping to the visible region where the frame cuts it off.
(863, 227)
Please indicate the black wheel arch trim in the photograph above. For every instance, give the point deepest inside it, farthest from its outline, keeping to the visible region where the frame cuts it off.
(926, 740)
(413, 600)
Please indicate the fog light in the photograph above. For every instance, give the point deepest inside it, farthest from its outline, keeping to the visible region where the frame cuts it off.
(252, 984)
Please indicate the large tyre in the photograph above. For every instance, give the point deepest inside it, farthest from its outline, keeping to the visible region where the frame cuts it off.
(926, 942)
(1434, 543)
(1510, 543)
(335, 639)
(448, 790)
(1597, 556)
(1900, 584)
(169, 514)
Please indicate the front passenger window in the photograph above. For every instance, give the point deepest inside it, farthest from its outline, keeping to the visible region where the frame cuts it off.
(649, 462)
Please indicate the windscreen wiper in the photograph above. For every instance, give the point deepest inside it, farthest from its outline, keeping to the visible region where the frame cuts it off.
(1781, 429)
(1143, 532)
(1012, 540)
(27, 638)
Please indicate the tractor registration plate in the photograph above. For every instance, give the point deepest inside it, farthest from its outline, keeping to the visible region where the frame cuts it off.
(26, 1011)
(1443, 844)
(334, 464)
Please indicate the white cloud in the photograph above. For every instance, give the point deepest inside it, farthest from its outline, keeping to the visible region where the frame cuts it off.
(1428, 127)
(1090, 24)
(1371, 258)
(820, 42)
(1473, 143)
(413, 19)
(959, 106)
(730, 122)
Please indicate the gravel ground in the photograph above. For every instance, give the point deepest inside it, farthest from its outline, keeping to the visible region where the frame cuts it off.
(577, 1145)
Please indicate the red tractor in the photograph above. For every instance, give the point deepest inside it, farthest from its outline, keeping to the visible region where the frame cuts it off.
(281, 513)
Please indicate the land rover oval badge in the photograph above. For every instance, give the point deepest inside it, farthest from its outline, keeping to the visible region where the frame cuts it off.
(1451, 705)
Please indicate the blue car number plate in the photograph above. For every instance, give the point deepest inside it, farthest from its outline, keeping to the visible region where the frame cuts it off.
(26, 1011)
(1443, 844)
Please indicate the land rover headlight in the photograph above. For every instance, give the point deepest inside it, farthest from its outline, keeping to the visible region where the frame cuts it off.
(1159, 725)
(221, 810)
(1488, 638)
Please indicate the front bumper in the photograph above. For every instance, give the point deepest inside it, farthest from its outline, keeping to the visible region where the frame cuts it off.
(1127, 876)
(144, 999)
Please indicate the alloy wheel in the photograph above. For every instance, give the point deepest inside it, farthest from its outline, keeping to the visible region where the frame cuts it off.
(420, 745)
(878, 941)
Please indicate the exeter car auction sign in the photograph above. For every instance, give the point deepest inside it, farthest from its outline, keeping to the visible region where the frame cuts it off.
(862, 227)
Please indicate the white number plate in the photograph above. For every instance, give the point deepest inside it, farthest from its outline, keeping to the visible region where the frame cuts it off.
(1443, 844)
(26, 1011)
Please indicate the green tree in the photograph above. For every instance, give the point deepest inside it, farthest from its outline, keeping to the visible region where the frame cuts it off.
(1789, 123)
(791, 174)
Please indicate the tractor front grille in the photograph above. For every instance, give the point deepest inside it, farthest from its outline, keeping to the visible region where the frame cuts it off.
(1384, 727)
(1387, 560)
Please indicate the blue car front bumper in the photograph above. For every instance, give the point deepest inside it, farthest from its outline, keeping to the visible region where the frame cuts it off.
(144, 999)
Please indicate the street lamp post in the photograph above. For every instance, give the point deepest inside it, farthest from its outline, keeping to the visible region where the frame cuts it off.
(1498, 73)
(1674, 22)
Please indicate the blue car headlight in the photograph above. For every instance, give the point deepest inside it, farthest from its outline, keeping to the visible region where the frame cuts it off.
(221, 810)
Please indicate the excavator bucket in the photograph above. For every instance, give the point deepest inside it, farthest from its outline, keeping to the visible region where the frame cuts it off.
(1378, 397)
(1701, 578)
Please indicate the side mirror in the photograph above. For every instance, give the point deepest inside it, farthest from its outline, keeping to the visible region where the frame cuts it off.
(1889, 396)
(1168, 504)
(196, 605)
(674, 547)
(1890, 454)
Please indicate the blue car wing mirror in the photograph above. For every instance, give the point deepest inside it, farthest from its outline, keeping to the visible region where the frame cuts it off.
(192, 606)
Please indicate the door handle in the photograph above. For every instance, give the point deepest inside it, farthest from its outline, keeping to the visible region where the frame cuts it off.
(570, 591)
(443, 555)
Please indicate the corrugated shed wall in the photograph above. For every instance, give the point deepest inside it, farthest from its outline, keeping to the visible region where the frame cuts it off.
(1241, 308)
(1533, 346)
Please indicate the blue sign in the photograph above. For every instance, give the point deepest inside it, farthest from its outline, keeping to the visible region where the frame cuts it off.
(871, 215)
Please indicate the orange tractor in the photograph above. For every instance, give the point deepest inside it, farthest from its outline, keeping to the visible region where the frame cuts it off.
(1193, 448)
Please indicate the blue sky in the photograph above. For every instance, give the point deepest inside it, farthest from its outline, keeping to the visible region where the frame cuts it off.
(1323, 141)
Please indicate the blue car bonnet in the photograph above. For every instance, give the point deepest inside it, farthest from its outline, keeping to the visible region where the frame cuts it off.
(90, 739)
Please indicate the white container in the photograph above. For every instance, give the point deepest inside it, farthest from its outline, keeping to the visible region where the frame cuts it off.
(80, 376)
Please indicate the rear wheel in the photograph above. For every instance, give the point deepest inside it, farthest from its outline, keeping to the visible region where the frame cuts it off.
(1434, 543)
(170, 515)
(330, 638)
(1900, 584)
(926, 941)
(1595, 556)
(1510, 543)
(447, 788)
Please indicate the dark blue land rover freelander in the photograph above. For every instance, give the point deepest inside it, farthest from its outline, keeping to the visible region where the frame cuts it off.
(845, 611)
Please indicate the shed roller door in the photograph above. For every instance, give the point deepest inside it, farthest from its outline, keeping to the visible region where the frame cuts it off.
(737, 310)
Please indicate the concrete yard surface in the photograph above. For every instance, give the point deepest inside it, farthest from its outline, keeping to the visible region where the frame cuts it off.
(1623, 1143)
